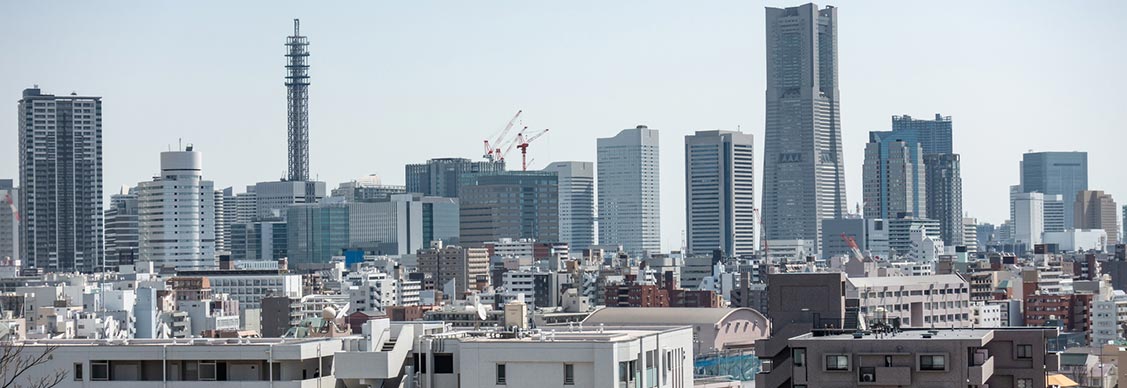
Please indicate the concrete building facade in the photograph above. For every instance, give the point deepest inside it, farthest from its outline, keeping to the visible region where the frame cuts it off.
(720, 192)
(1095, 209)
(577, 202)
(176, 216)
(1056, 173)
(629, 186)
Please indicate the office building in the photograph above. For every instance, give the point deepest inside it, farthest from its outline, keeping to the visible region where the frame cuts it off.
(893, 177)
(870, 235)
(455, 269)
(900, 232)
(629, 185)
(1056, 173)
(944, 195)
(316, 232)
(1054, 213)
(1095, 209)
(246, 206)
(367, 189)
(273, 198)
(513, 204)
(176, 219)
(9, 220)
(442, 177)
(720, 192)
(577, 202)
(803, 166)
(970, 234)
(60, 154)
(260, 240)
(933, 135)
(123, 231)
(935, 301)
(226, 216)
(1028, 218)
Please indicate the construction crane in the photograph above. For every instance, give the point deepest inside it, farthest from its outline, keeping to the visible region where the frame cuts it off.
(523, 142)
(853, 249)
(490, 151)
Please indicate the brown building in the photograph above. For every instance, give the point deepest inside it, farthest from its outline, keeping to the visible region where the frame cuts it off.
(1016, 357)
(466, 266)
(1094, 209)
(631, 294)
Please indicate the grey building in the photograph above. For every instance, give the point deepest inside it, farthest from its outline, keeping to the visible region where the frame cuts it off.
(367, 189)
(464, 267)
(629, 185)
(803, 167)
(263, 239)
(900, 232)
(944, 194)
(577, 202)
(9, 220)
(122, 229)
(933, 135)
(1054, 213)
(893, 176)
(226, 216)
(316, 232)
(1056, 173)
(720, 192)
(513, 204)
(442, 177)
(272, 198)
(834, 234)
(60, 155)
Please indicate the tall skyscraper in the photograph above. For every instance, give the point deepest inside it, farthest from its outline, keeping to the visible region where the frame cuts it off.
(629, 185)
(227, 215)
(273, 198)
(1095, 209)
(803, 170)
(60, 181)
(1053, 173)
(177, 213)
(934, 136)
(512, 204)
(893, 177)
(297, 94)
(122, 229)
(442, 177)
(577, 202)
(720, 192)
(944, 192)
(9, 220)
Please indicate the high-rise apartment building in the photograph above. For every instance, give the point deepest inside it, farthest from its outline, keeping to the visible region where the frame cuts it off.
(122, 229)
(944, 195)
(893, 177)
(720, 192)
(1095, 209)
(1056, 173)
(443, 177)
(177, 214)
(60, 204)
(629, 185)
(512, 204)
(577, 202)
(803, 167)
(9, 221)
(461, 267)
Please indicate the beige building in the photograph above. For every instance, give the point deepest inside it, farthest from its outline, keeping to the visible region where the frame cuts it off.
(1095, 209)
(465, 266)
(714, 329)
(998, 358)
(936, 301)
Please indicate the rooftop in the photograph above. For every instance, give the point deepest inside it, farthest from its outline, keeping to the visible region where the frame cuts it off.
(178, 342)
(570, 334)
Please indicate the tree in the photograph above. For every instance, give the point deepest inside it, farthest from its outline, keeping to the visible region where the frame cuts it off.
(16, 359)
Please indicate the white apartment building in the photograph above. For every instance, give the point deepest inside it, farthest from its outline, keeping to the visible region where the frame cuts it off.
(248, 287)
(176, 215)
(136, 363)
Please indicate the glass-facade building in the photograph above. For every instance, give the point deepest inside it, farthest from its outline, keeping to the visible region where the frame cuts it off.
(1056, 173)
(443, 177)
(513, 204)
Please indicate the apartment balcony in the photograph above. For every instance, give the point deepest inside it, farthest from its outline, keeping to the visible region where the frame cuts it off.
(384, 362)
(978, 374)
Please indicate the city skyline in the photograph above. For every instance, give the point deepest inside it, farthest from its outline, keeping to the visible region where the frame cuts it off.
(415, 92)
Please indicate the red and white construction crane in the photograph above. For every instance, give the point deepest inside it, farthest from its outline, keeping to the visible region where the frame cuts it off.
(853, 249)
(523, 142)
(492, 149)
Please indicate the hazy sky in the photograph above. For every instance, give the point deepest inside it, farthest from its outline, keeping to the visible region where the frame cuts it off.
(401, 82)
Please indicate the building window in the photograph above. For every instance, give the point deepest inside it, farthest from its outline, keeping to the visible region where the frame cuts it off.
(500, 374)
(1025, 351)
(569, 374)
(207, 370)
(837, 362)
(78, 371)
(443, 363)
(99, 370)
(799, 355)
(1024, 383)
(933, 362)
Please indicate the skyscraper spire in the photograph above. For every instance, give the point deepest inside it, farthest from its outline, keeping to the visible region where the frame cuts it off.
(297, 94)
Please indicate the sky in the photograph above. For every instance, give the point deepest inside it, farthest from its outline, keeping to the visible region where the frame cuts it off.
(402, 82)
